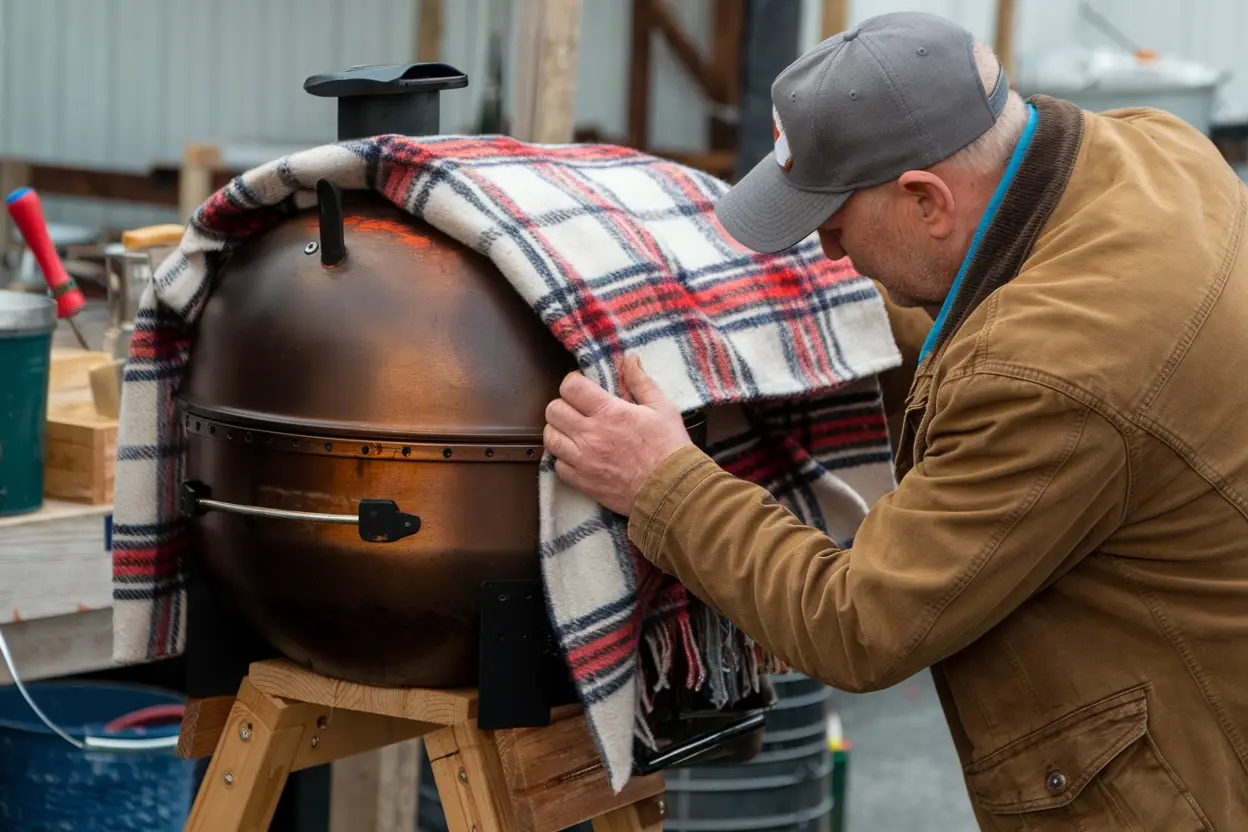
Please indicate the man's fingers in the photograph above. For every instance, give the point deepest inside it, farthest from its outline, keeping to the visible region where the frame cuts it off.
(640, 385)
(565, 418)
(559, 444)
(588, 398)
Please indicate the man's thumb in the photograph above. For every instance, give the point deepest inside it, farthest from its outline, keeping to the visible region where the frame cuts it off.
(642, 388)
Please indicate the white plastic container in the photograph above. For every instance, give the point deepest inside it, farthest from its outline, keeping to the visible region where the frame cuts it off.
(1108, 79)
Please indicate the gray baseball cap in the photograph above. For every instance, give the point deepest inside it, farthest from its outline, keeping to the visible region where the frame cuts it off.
(899, 92)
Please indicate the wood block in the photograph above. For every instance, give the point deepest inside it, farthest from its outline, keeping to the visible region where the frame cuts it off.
(202, 725)
(80, 451)
(281, 677)
(555, 776)
(80, 456)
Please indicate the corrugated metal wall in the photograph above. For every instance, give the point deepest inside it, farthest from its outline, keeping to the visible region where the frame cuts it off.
(126, 82)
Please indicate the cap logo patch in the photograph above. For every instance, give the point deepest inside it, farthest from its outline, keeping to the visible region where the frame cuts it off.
(784, 156)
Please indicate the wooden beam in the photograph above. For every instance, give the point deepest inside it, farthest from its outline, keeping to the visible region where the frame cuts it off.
(281, 677)
(639, 77)
(684, 50)
(199, 161)
(835, 17)
(1003, 45)
(726, 66)
(548, 57)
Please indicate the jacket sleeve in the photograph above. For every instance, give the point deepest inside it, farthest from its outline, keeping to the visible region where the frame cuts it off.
(1017, 484)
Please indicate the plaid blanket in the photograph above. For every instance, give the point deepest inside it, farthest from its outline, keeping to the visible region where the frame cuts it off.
(616, 252)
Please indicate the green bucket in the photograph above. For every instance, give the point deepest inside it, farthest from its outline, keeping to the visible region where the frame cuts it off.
(27, 321)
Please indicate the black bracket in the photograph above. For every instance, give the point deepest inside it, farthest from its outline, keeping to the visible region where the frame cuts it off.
(522, 673)
(382, 522)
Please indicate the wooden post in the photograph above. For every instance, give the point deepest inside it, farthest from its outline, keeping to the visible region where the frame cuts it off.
(429, 30)
(639, 77)
(835, 17)
(13, 175)
(195, 180)
(1004, 43)
(376, 791)
(548, 57)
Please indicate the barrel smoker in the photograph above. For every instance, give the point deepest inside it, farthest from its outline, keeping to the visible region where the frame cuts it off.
(363, 412)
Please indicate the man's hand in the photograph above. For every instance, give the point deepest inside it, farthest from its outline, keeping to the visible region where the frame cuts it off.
(607, 447)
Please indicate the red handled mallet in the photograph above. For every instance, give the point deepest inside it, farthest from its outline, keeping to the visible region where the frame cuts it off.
(27, 213)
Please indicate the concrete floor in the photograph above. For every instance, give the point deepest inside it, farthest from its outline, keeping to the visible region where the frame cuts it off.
(903, 773)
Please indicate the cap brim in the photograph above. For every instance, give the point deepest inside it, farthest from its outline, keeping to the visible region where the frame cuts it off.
(766, 213)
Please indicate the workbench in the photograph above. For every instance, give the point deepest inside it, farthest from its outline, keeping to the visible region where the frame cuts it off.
(56, 590)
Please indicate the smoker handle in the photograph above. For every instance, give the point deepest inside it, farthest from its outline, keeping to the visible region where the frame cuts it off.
(695, 747)
(379, 521)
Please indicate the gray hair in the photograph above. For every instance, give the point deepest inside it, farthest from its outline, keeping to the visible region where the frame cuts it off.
(992, 150)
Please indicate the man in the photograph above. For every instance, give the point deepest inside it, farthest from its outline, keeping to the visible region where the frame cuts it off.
(1067, 546)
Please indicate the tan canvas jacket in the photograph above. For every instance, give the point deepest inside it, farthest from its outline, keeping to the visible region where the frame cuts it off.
(1067, 546)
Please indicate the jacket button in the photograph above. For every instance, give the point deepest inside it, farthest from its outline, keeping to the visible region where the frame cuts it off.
(1056, 782)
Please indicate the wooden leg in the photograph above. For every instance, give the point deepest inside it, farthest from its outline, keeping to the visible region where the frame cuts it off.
(267, 737)
(249, 769)
(643, 816)
(470, 780)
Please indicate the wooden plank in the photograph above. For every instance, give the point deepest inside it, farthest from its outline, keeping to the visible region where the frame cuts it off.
(639, 77)
(377, 791)
(281, 677)
(547, 60)
(62, 645)
(555, 776)
(96, 183)
(1003, 44)
(835, 17)
(53, 562)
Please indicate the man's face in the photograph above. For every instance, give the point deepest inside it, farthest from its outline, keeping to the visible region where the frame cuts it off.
(876, 231)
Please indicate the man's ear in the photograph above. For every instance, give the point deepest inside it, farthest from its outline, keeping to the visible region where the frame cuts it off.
(931, 199)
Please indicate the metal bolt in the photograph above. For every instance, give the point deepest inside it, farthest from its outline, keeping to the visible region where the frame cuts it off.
(463, 776)
(662, 806)
(311, 248)
(322, 723)
(315, 741)
(244, 733)
(229, 778)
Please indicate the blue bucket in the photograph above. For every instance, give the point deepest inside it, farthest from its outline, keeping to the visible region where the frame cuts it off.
(47, 784)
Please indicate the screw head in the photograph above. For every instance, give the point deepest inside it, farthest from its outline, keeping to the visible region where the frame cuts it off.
(311, 248)
(322, 723)
(316, 741)
(662, 806)
(463, 776)
(229, 778)
(244, 733)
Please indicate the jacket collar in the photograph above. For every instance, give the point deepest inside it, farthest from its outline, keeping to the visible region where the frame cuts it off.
(1034, 181)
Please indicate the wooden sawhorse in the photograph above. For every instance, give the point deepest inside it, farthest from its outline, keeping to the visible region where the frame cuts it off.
(286, 718)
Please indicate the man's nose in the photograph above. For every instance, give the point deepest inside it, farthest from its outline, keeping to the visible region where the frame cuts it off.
(831, 242)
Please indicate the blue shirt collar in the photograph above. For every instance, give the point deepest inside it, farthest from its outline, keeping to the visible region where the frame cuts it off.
(1016, 159)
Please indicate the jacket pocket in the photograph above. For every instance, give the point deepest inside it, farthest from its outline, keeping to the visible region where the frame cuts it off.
(1095, 769)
